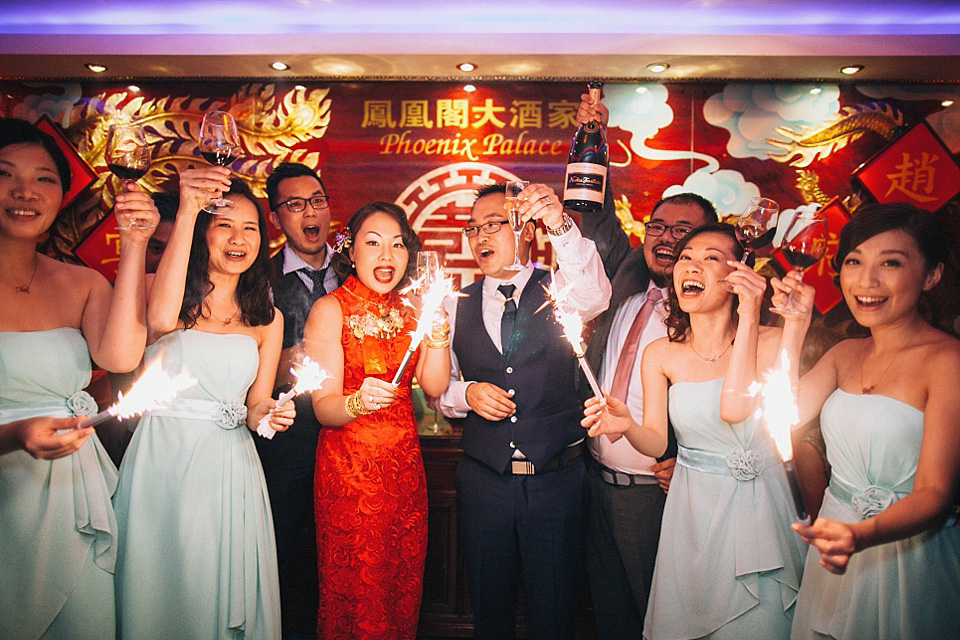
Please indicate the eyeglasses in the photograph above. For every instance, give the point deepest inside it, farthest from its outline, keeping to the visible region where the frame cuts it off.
(488, 228)
(296, 205)
(656, 229)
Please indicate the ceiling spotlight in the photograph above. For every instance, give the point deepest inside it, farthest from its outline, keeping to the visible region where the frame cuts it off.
(96, 68)
(851, 69)
(815, 91)
(133, 89)
(466, 67)
(946, 103)
(300, 87)
(657, 67)
(469, 88)
(279, 66)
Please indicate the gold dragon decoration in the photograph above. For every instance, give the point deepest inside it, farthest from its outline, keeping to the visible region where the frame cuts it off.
(805, 145)
(271, 126)
(847, 126)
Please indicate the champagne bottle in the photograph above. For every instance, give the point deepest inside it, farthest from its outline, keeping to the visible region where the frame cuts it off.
(587, 164)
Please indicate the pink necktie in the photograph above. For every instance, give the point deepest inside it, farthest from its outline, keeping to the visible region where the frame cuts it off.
(628, 354)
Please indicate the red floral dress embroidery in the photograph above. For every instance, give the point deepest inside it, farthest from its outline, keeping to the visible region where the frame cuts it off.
(371, 496)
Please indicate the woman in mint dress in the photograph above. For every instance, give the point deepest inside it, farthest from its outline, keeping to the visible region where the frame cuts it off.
(885, 556)
(57, 525)
(197, 557)
(728, 565)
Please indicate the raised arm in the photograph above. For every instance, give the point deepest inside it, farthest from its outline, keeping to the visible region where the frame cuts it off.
(579, 268)
(114, 320)
(603, 228)
(433, 367)
(166, 291)
(736, 401)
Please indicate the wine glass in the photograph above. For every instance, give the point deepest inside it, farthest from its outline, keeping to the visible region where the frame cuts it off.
(512, 204)
(755, 228)
(128, 157)
(804, 245)
(219, 145)
(428, 268)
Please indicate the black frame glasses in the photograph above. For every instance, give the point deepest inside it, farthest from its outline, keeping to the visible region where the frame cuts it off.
(489, 228)
(657, 229)
(296, 205)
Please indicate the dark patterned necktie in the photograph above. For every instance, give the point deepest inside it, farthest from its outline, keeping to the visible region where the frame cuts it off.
(509, 315)
(317, 277)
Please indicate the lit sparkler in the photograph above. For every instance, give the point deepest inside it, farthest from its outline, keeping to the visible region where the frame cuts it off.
(437, 287)
(780, 414)
(310, 377)
(572, 325)
(154, 389)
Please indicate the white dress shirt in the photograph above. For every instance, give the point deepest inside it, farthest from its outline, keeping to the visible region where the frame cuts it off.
(620, 454)
(578, 266)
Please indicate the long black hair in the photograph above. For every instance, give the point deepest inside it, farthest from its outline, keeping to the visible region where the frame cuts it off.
(678, 320)
(341, 262)
(253, 288)
(17, 131)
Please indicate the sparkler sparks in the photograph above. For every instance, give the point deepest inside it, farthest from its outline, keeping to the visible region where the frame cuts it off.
(154, 389)
(436, 287)
(780, 414)
(572, 325)
(310, 377)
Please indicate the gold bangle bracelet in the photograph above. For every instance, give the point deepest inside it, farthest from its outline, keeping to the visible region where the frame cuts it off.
(354, 406)
(439, 344)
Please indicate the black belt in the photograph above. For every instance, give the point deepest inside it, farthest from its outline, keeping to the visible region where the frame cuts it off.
(621, 479)
(526, 468)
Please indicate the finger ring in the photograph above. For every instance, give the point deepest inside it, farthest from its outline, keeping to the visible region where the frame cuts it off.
(369, 398)
(377, 406)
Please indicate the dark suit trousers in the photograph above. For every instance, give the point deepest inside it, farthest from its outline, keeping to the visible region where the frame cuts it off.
(622, 537)
(522, 527)
(288, 462)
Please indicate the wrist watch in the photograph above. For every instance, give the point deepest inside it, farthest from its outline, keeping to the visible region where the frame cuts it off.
(563, 228)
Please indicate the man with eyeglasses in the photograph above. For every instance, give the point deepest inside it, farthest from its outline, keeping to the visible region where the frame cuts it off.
(628, 489)
(521, 482)
(300, 206)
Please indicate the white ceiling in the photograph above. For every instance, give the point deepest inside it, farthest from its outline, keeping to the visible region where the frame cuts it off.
(375, 39)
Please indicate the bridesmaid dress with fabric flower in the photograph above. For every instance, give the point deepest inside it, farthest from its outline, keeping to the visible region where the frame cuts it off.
(57, 528)
(371, 492)
(197, 556)
(728, 564)
(908, 589)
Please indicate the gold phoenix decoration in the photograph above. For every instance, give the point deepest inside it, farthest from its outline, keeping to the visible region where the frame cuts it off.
(270, 126)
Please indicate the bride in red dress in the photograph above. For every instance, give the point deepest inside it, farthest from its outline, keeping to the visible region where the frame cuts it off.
(370, 490)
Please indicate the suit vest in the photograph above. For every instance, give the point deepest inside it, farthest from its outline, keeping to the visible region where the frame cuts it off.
(293, 298)
(539, 367)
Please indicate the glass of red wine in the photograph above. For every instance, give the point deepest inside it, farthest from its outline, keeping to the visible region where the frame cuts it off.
(804, 244)
(128, 157)
(755, 228)
(219, 145)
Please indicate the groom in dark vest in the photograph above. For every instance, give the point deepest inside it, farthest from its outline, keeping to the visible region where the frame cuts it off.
(299, 205)
(521, 481)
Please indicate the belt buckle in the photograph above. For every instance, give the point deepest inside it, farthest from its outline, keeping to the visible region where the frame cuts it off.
(522, 468)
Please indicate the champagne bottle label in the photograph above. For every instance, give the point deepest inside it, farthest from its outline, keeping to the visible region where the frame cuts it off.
(585, 181)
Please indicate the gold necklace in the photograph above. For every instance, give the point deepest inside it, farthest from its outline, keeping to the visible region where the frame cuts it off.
(219, 319)
(25, 288)
(868, 390)
(714, 359)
